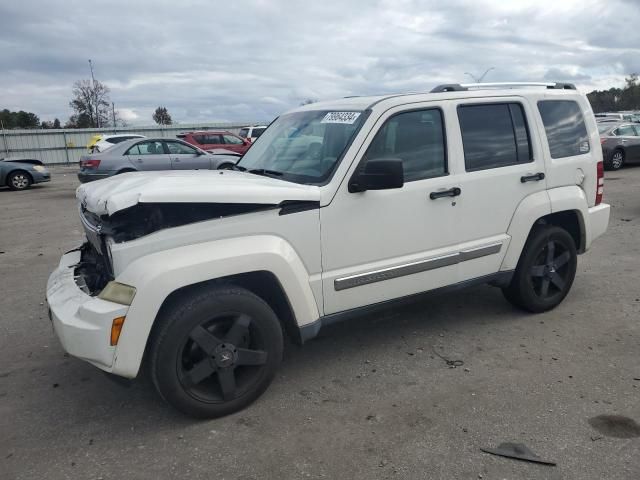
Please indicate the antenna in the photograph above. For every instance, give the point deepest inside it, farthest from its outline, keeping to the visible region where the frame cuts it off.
(481, 77)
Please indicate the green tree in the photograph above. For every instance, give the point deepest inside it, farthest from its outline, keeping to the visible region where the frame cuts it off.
(56, 123)
(161, 116)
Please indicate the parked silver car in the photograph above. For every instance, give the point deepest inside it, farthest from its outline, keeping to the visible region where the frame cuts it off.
(21, 173)
(150, 154)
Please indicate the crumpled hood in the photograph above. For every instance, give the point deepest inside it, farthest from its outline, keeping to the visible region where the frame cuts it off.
(122, 191)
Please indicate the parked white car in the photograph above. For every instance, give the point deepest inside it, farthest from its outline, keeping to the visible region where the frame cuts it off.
(100, 143)
(343, 207)
(252, 133)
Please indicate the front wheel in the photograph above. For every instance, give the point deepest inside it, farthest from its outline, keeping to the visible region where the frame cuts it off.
(216, 351)
(19, 180)
(545, 271)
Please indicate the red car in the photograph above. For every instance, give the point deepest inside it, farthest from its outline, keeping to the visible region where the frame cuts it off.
(211, 139)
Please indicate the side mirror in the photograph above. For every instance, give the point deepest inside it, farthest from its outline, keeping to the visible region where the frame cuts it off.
(378, 174)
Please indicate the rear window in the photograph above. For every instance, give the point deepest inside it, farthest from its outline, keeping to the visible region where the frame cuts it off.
(494, 135)
(564, 124)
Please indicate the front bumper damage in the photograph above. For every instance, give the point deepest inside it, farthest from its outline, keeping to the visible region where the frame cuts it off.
(81, 321)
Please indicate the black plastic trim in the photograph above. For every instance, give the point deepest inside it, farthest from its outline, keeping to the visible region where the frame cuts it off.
(449, 87)
(295, 206)
(307, 332)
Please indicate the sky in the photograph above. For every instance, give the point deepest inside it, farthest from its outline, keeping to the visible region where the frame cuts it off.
(250, 60)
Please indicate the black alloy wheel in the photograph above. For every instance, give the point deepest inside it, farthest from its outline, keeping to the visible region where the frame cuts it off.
(215, 350)
(545, 271)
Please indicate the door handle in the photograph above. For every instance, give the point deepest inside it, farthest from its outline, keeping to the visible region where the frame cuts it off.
(452, 192)
(176, 160)
(139, 160)
(536, 177)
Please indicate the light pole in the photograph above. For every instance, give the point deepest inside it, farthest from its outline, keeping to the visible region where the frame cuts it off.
(481, 77)
(95, 93)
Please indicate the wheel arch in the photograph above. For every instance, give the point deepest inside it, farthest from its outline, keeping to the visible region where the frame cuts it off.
(267, 266)
(20, 170)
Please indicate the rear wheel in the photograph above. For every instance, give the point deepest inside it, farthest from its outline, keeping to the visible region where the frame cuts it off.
(545, 271)
(216, 351)
(19, 180)
(616, 161)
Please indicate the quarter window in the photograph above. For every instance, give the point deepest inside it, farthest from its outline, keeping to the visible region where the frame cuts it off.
(494, 135)
(566, 132)
(417, 138)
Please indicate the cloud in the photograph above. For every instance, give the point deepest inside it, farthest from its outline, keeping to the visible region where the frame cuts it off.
(253, 59)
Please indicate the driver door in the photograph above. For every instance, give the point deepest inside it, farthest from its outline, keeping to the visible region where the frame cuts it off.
(378, 245)
(185, 157)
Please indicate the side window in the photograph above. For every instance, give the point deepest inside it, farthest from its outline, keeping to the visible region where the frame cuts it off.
(257, 132)
(231, 140)
(566, 132)
(146, 148)
(417, 138)
(494, 135)
(201, 139)
(178, 148)
(625, 131)
(244, 132)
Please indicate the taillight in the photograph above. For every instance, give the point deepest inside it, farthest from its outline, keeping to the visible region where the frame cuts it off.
(600, 184)
(602, 140)
(89, 163)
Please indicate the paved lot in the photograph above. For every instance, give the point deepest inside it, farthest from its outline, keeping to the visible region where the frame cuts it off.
(367, 399)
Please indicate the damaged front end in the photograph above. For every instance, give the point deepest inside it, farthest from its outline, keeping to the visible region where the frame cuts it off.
(95, 269)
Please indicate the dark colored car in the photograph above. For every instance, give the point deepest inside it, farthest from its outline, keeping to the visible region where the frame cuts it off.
(211, 139)
(150, 154)
(21, 173)
(620, 144)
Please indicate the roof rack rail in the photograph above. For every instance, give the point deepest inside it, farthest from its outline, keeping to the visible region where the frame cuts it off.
(448, 87)
(461, 87)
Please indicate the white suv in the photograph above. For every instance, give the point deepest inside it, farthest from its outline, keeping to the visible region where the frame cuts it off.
(252, 133)
(340, 207)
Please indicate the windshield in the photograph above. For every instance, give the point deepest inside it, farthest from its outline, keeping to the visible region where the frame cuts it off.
(303, 147)
(604, 128)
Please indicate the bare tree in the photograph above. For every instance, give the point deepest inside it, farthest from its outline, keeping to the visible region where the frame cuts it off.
(161, 116)
(308, 101)
(90, 103)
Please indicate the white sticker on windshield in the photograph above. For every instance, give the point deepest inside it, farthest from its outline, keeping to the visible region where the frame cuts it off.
(341, 117)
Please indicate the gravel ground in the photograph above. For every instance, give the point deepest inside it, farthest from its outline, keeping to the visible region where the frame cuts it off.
(367, 399)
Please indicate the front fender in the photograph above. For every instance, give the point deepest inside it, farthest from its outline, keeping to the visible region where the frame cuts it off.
(157, 275)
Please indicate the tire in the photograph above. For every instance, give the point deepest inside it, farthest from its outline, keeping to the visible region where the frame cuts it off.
(226, 166)
(127, 170)
(19, 180)
(545, 271)
(215, 351)
(616, 162)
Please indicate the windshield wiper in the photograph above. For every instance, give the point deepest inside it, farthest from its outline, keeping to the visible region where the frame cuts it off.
(264, 171)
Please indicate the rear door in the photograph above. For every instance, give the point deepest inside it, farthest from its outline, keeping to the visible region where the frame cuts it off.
(185, 157)
(634, 145)
(149, 155)
(503, 165)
